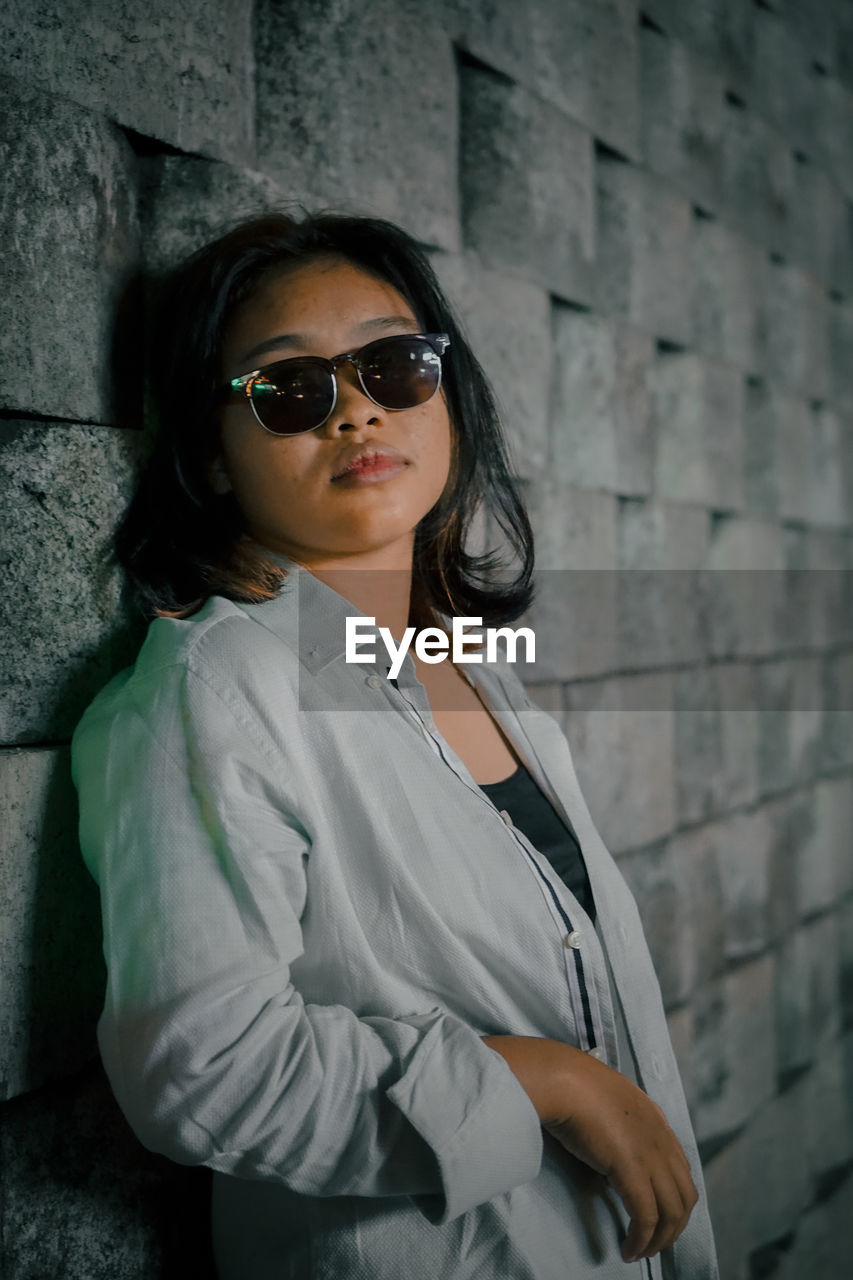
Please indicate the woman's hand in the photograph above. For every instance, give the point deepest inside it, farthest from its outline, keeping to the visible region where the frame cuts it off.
(610, 1124)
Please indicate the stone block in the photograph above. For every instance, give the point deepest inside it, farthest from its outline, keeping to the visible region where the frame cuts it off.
(837, 734)
(701, 894)
(744, 857)
(187, 200)
(757, 177)
(51, 971)
(643, 251)
(777, 1174)
(790, 720)
(579, 57)
(745, 588)
(508, 322)
(621, 732)
(682, 108)
(842, 43)
(66, 620)
(845, 956)
(792, 823)
(661, 619)
(82, 1199)
(720, 30)
(821, 226)
(828, 1116)
(793, 327)
(699, 772)
(834, 128)
(180, 74)
(526, 185)
(738, 709)
(653, 878)
(601, 414)
(823, 865)
(70, 309)
(819, 564)
(735, 1055)
(782, 86)
(723, 285)
(776, 451)
(575, 611)
(840, 342)
(808, 995)
(820, 1248)
(730, 1198)
(356, 109)
(697, 427)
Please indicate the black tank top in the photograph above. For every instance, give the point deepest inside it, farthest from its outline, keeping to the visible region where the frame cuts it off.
(533, 813)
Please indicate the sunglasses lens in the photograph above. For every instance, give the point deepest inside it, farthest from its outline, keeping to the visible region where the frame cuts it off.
(293, 397)
(399, 373)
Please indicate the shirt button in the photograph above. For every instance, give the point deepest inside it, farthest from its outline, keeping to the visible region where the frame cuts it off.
(507, 819)
(596, 1052)
(573, 939)
(373, 681)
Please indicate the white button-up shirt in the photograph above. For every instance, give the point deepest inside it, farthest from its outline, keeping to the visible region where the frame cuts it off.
(312, 914)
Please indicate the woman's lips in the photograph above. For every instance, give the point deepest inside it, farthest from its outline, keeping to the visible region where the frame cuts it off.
(370, 471)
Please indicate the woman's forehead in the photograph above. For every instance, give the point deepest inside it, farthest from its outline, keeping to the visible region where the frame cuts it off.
(305, 301)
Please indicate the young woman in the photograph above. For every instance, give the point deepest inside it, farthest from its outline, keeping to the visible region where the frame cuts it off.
(368, 957)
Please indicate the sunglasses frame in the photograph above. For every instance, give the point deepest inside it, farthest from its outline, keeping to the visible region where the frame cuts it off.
(245, 382)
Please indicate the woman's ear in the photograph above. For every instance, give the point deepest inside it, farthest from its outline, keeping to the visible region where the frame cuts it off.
(218, 475)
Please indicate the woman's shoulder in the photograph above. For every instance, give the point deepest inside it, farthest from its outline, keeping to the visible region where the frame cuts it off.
(236, 650)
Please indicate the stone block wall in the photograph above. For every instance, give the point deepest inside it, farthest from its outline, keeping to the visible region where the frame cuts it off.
(644, 215)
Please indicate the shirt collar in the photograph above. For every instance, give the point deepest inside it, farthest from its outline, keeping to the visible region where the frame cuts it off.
(311, 617)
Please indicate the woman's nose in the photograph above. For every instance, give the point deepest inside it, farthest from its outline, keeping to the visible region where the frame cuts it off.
(353, 406)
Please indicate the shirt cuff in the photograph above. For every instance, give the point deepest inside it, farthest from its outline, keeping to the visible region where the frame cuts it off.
(466, 1103)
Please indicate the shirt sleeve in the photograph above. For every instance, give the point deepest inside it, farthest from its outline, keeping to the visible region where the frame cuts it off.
(211, 1051)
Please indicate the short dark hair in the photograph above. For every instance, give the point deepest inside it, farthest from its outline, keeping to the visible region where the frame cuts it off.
(180, 542)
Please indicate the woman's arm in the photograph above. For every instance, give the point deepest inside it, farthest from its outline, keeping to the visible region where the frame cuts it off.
(190, 827)
(606, 1121)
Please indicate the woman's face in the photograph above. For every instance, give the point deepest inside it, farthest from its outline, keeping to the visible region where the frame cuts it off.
(284, 485)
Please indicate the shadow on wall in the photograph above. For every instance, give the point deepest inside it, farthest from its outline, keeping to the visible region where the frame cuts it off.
(81, 1195)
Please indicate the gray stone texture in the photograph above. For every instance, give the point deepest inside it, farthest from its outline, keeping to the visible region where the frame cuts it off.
(69, 335)
(526, 185)
(357, 108)
(793, 330)
(179, 74)
(643, 249)
(507, 321)
(82, 1198)
(622, 735)
(600, 410)
(66, 618)
(807, 995)
(734, 1046)
(726, 271)
(51, 971)
(682, 116)
(697, 416)
(758, 177)
(575, 616)
(186, 200)
(661, 598)
(824, 873)
(582, 58)
(721, 31)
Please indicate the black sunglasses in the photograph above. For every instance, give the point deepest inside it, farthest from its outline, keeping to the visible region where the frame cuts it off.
(300, 394)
